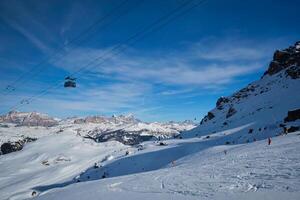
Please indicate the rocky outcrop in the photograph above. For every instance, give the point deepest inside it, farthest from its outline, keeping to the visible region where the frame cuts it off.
(231, 111)
(28, 119)
(283, 59)
(207, 117)
(9, 147)
(221, 101)
(293, 115)
(293, 72)
(125, 137)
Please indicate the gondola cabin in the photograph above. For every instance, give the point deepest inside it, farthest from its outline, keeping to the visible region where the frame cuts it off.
(70, 82)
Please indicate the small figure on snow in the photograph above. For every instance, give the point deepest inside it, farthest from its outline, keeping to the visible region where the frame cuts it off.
(33, 193)
(173, 163)
(225, 151)
(105, 174)
(96, 166)
(285, 130)
(269, 141)
(162, 144)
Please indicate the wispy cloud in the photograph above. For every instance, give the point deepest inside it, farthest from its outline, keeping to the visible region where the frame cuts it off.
(228, 62)
(18, 16)
(102, 99)
(30, 36)
(233, 49)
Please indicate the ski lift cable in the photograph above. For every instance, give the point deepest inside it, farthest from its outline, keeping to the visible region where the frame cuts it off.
(11, 87)
(136, 38)
(157, 28)
(118, 17)
(142, 33)
(167, 16)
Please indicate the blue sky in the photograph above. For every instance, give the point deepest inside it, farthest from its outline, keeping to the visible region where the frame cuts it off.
(175, 73)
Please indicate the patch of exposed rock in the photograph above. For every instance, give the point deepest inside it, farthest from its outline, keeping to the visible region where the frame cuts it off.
(231, 111)
(221, 101)
(125, 137)
(207, 117)
(292, 115)
(9, 147)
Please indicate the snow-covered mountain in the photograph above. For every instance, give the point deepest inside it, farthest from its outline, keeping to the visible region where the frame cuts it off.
(259, 110)
(115, 119)
(17, 127)
(126, 128)
(28, 119)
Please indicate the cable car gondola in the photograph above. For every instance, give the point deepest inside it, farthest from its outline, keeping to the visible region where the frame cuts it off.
(70, 82)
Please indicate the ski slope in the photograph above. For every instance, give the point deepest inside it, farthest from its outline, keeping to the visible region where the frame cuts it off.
(246, 171)
(183, 169)
(50, 159)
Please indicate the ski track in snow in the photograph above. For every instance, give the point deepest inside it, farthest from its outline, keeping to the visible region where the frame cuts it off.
(203, 172)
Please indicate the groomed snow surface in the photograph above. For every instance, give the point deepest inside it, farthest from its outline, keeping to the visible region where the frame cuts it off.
(196, 168)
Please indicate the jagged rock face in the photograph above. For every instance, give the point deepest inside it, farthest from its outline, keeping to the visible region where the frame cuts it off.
(283, 59)
(91, 119)
(102, 119)
(28, 119)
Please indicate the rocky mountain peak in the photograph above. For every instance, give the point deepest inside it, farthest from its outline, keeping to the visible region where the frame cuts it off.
(104, 119)
(28, 119)
(286, 59)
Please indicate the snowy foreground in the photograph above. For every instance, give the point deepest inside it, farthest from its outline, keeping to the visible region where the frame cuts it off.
(184, 169)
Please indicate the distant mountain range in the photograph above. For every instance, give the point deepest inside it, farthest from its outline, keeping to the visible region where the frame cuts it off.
(18, 128)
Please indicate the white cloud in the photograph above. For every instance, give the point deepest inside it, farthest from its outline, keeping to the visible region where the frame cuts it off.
(108, 98)
(233, 49)
(176, 68)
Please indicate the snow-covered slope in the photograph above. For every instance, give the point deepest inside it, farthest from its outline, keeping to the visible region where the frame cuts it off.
(261, 107)
(51, 159)
(247, 171)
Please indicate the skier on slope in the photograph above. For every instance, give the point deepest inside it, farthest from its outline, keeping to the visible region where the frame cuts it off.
(269, 141)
